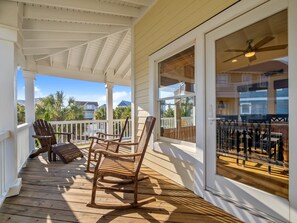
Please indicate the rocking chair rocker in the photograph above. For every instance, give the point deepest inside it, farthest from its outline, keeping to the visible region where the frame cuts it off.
(124, 167)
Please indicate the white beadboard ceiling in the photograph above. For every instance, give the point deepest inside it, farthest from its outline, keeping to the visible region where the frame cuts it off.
(80, 39)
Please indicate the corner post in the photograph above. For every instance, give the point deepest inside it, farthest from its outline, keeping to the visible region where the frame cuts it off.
(29, 77)
(109, 106)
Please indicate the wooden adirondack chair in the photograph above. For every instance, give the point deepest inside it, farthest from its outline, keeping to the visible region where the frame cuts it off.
(47, 139)
(100, 142)
(124, 167)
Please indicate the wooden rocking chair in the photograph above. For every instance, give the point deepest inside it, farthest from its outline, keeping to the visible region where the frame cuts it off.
(46, 136)
(124, 167)
(100, 142)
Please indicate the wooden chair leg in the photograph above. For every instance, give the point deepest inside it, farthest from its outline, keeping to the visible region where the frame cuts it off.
(49, 154)
(135, 191)
(89, 160)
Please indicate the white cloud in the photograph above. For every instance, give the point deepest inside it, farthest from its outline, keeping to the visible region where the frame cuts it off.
(119, 96)
(38, 93)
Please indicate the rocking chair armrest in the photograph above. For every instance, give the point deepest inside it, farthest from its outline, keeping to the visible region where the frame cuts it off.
(123, 143)
(41, 137)
(111, 140)
(105, 134)
(108, 153)
(96, 138)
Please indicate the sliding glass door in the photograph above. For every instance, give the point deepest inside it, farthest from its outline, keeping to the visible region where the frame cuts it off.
(248, 111)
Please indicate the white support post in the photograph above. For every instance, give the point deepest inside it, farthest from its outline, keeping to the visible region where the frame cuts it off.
(29, 77)
(109, 107)
(8, 108)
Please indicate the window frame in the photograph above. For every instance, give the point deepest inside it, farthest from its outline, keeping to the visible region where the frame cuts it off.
(154, 103)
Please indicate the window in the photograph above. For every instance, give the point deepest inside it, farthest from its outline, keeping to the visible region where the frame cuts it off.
(177, 96)
(245, 108)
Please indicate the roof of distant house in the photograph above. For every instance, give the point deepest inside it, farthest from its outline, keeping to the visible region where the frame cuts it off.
(82, 103)
(124, 103)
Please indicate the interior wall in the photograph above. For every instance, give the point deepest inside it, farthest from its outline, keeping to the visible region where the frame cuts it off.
(166, 21)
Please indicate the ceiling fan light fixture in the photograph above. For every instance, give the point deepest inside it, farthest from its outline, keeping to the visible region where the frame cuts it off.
(250, 54)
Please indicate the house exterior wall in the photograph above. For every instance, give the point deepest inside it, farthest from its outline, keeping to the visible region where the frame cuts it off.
(166, 21)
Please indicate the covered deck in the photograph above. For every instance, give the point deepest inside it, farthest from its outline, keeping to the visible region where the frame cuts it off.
(58, 192)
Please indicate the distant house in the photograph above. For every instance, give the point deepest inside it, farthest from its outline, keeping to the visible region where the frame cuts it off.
(124, 103)
(22, 102)
(89, 108)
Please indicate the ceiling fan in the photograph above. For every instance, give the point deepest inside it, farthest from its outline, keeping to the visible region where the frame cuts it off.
(250, 51)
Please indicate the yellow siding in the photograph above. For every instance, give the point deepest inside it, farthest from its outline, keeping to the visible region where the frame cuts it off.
(166, 21)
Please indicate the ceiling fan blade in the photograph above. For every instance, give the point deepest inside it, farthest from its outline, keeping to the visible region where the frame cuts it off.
(251, 59)
(263, 42)
(232, 58)
(269, 48)
(234, 50)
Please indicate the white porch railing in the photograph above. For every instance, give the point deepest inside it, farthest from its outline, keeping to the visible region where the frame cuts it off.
(23, 144)
(4, 135)
(84, 128)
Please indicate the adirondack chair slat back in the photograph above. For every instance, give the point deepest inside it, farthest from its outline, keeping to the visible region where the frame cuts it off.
(43, 128)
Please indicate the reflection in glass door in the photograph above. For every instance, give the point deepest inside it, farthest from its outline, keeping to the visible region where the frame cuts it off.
(252, 105)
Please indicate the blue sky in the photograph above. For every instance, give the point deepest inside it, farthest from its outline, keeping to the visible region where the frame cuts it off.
(80, 90)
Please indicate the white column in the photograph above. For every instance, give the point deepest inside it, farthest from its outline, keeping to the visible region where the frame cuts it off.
(8, 107)
(29, 77)
(109, 107)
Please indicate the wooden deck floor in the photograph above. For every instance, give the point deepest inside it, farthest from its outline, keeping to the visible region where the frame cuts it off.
(57, 192)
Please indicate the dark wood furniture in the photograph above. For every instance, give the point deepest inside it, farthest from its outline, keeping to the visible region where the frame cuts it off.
(124, 167)
(100, 142)
(47, 139)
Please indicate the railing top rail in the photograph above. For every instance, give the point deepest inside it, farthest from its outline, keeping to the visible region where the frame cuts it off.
(77, 121)
(4, 135)
(23, 127)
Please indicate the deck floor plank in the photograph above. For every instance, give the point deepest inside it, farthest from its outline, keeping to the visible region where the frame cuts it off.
(57, 192)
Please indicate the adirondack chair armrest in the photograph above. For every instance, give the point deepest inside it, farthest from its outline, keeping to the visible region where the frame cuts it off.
(65, 133)
(41, 137)
(108, 153)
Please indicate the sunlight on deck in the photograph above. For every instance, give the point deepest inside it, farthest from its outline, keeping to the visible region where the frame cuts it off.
(57, 192)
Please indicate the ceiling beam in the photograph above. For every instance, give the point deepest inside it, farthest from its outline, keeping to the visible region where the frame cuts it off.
(68, 59)
(78, 75)
(50, 44)
(84, 57)
(88, 5)
(32, 52)
(99, 55)
(116, 49)
(125, 72)
(62, 15)
(140, 2)
(124, 60)
(52, 26)
(54, 36)
(69, 73)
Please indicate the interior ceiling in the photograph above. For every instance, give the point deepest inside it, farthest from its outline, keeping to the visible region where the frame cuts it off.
(274, 26)
(83, 39)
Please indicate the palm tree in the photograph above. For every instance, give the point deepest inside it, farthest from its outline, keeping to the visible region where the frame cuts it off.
(51, 108)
